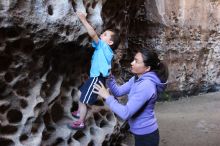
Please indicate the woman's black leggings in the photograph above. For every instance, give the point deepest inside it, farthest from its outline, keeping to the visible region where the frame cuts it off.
(151, 139)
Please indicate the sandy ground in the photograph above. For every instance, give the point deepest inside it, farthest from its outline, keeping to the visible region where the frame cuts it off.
(193, 121)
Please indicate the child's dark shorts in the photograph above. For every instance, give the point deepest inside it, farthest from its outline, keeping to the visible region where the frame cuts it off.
(87, 96)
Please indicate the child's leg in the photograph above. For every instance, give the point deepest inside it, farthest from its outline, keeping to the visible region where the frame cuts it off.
(82, 111)
(79, 124)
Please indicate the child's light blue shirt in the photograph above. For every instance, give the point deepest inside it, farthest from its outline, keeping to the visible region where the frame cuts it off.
(101, 59)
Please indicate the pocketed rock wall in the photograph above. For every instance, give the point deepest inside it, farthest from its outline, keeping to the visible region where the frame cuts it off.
(45, 56)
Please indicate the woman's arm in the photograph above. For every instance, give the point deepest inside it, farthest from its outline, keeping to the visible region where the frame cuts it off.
(118, 90)
(143, 93)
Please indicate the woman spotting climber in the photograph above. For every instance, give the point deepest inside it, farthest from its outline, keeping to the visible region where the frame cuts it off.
(150, 76)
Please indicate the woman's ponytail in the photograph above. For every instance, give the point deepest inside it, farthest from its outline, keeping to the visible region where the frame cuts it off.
(151, 59)
(162, 72)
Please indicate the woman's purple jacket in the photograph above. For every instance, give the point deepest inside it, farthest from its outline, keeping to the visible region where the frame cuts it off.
(140, 91)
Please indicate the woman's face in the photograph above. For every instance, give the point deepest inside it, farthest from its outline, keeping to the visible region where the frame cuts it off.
(137, 65)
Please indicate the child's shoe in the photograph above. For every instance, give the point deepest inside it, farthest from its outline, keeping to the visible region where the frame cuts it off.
(77, 125)
(75, 114)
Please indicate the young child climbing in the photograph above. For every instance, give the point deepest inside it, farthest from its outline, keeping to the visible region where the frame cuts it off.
(100, 68)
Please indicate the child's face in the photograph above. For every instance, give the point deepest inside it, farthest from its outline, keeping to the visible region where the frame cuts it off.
(106, 37)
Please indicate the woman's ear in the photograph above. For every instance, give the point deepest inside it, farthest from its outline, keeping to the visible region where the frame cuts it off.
(147, 68)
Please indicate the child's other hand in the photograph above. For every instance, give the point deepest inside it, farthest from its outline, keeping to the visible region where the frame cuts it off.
(81, 15)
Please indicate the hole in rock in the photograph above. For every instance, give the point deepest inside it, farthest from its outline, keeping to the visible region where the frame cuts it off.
(105, 143)
(4, 107)
(26, 45)
(22, 87)
(109, 116)
(64, 100)
(5, 61)
(2, 87)
(94, 4)
(92, 131)
(73, 5)
(6, 142)
(61, 28)
(58, 141)
(23, 103)
(11, 31)
(29, 119)
(97, 117)
(31, 26)
(45, 135)
(8, 77)
(91, 143)
(75, 56)
(23, 137)
(73, 92)
(103, 112)
(50, 10)
(103, 123)
(82, 37)
(107, 137)
(48, 87)
(69, 140)
(22, 84)
(52, 78)
(90, 121)
(66, 84)
(44, 92)
(12, 46)
(88, 5)
(78, 135)
(38, 106)
(57, 112)
(35, 127)
(67, 30)
(14, 116)
(23, 92)
(74, 106)
(47, 118)
(50, 128)
(99, 102)
(8, 129)
(1, 44)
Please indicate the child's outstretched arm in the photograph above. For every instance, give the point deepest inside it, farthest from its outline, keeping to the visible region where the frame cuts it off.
(88, 27)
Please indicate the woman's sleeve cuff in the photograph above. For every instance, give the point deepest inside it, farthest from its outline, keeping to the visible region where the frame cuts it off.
(109, 99)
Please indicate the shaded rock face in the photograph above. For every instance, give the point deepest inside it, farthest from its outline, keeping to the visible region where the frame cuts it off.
(191, 42)
(45, 56)
(184, 33)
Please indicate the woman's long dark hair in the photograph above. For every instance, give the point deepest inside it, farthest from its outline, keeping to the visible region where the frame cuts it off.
(150, 58)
